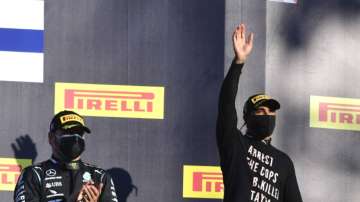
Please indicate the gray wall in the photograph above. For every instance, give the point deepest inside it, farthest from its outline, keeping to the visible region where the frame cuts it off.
(253, 14)
(309, 49)
(175, 44)
(300, 50)
(312, 49)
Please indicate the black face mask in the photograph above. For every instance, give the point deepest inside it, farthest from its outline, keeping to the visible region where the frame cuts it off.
(260, 126)
(70, 146)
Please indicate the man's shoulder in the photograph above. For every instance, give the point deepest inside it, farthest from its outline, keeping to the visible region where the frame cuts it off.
(40, 166)
(94, 168)
(98, 173)
(281, 154)
(34, 172)
(91, 166)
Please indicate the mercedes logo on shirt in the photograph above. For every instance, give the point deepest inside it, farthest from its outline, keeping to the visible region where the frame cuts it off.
(86, 177)
(50, 172)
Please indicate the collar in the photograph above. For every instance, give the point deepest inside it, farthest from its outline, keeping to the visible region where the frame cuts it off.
(72, 165)
(265, 141)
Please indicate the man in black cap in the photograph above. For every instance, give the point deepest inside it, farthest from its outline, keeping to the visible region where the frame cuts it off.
(253, 169)
(64, 177)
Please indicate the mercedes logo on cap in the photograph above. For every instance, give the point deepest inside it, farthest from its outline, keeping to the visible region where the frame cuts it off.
(50, 172)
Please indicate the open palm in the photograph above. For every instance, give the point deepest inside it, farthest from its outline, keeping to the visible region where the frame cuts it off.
(242, 44)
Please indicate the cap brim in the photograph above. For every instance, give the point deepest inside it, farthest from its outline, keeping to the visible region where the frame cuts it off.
(271, 103)
(81, 128)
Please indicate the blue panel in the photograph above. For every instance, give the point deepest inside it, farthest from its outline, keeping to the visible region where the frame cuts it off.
(21, 40)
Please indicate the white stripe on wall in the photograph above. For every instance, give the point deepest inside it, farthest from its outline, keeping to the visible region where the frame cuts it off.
(22, 14)
(286, 1)
(19, 66)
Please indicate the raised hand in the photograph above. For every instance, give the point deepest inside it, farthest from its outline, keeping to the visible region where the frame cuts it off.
(242, 44)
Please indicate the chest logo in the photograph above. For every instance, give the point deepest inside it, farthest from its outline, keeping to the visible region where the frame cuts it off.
(53, 184)
(50, 172)
(86, 177)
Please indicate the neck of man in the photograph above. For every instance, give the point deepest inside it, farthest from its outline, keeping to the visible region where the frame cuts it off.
(59, 158)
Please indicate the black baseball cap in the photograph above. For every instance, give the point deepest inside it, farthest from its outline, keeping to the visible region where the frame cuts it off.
(66, 120)
(257, 100)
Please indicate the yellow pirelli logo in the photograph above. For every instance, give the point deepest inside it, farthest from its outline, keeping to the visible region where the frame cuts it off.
(259, 97)
(10, 170)
(110, 100)
(203, 182)
(335, 113)
(71, 117)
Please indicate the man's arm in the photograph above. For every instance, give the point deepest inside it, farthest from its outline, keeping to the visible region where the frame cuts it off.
(108, 193)
(28, 186)
(292, 192)
(227, 118)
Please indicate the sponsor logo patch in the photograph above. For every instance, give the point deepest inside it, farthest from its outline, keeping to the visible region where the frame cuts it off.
(50, 172)
(86, 177)
(259, 97)
(71, 117)
(53, 184)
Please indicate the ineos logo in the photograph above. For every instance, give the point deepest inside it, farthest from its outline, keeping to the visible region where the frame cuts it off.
(50, 172)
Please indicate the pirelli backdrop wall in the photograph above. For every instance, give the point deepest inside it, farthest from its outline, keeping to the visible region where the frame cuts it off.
(312, 67)
(146, 75)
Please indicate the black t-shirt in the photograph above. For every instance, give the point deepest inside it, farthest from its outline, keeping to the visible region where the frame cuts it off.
(253, 170)
(49, 181)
